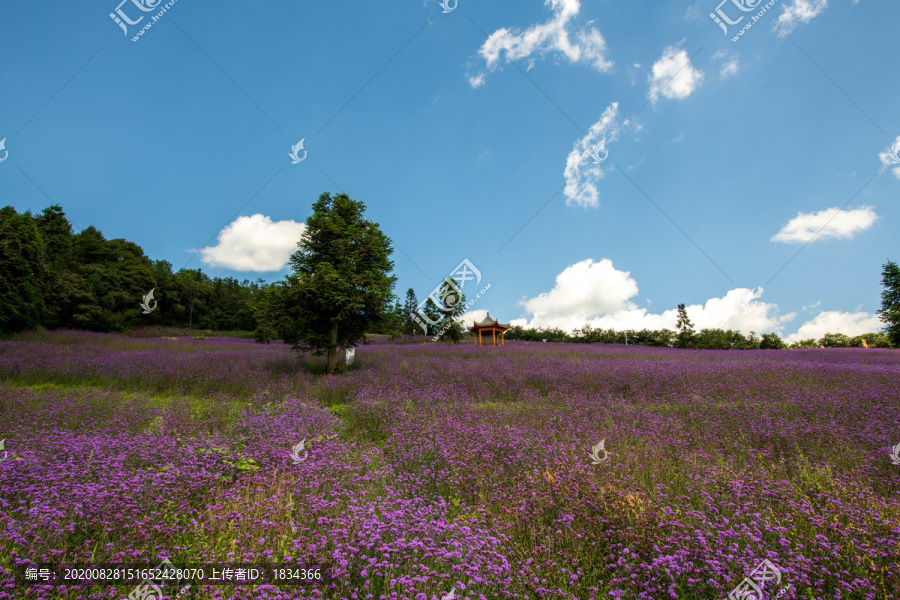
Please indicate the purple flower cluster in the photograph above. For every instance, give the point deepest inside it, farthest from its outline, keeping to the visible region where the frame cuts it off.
(435, 466)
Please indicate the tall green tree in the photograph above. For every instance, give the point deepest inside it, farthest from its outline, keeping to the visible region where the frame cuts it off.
(685, 328)
(835, 340)
(771, 341)
(194, 287)
(23, 271)
(890, 301)
(340, 287)
(410, 306)
(269, 312)
(396, 321)
(64, 281)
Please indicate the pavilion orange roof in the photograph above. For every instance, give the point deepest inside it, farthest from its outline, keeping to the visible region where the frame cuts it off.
(488, 322)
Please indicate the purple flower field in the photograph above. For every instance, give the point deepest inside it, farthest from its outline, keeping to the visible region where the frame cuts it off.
(433, 468)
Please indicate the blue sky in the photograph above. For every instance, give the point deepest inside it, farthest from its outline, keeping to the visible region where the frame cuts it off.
(473, 134)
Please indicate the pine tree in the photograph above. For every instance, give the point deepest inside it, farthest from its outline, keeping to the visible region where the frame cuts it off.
(340, 287)
(890, 301)
(410, 306)
(685, 328)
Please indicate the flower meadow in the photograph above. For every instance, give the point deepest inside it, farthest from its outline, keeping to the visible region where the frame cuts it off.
(430, 468)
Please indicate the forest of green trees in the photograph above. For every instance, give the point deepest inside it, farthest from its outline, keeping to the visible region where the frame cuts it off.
(53, 278)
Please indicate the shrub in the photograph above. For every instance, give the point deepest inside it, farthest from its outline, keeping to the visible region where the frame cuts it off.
(835, 340)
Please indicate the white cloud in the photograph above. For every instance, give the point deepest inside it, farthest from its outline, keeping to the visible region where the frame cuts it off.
(799, 11)
(583, 290)
(828, 223)
(582, 173)
(254, 243)
(477, 314)
(673, 75)
(891, 155)
(555, 35)
(598, 294)
(852, 324)
(729, 68)
(476, 81)
(595, 293)
(813, 305)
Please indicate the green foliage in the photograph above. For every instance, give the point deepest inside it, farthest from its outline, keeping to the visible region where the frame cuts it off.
(835, 340)
(890, 301)
(340, 287)
(24, 278)
(873, 340)
(52, 278)
(717, 339)
(410, 306)
(268, 310)
(810, 343)
(536, 335)
(771, 341)
(395, 328)
(653, 337)
(685, 329)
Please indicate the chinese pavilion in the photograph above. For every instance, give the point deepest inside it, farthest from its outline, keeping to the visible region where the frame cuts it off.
(491, 326)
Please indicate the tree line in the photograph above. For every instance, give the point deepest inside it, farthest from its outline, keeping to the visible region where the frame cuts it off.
(705, 339)
(340, 290)
(51, 277)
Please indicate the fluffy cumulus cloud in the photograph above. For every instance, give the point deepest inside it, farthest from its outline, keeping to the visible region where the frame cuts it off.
(255, 244)
(825, 224)
(597, 294)
(557, 36)
(856, 323)
(799, 11)
(891, 157)
(582, 169)
(673, 76)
